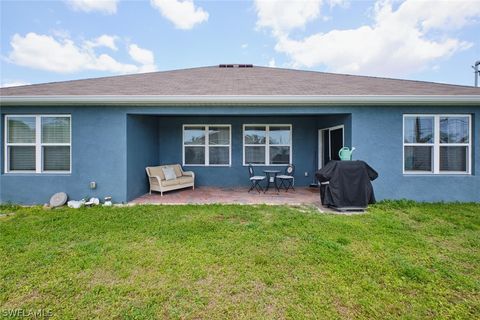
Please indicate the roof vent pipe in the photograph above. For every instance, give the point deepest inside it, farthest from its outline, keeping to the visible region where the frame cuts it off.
(477, 72)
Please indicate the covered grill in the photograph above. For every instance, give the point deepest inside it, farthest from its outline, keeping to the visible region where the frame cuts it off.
(346, 185)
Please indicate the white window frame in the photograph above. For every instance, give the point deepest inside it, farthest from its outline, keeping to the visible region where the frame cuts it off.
(207, 145)
(267, 144)
(38, 144)
(436, 145)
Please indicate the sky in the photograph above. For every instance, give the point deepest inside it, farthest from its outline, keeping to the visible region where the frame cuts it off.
(45, 41)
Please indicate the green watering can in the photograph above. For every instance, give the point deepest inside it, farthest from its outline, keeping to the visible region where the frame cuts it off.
(345, 153)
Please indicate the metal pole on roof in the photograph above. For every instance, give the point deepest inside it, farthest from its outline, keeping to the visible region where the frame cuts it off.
(477, 72)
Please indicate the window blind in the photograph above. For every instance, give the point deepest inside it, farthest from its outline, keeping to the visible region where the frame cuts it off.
(21, 158)
(38, 143)
(55, 130)
(56, 158)
(21, 130)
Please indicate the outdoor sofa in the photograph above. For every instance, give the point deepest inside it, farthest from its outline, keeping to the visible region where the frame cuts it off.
(161, 183)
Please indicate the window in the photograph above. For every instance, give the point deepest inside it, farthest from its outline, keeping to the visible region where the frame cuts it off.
(37, 143)
(206, 145)
(437, 143)
(267, 144)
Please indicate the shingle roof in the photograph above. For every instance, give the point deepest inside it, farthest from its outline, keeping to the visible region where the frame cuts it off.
(215, 81)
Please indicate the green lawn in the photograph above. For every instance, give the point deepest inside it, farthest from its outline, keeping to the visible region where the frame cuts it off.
(400, 260)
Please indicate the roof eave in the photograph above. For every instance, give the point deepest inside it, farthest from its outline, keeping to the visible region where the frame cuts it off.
(50, 100)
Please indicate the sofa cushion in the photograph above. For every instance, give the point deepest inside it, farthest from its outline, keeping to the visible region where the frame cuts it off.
(156, 172)
(168, 183)
(179, 181)
(178, 170)
(185, 179)
(169, 173)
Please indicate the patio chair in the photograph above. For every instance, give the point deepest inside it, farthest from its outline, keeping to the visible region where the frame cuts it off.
(287, 180)
(255, 180)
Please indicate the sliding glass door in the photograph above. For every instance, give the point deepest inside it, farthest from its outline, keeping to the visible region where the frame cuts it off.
(330, 141)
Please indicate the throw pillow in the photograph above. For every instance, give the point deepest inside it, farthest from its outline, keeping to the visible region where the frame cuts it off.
(169, 173)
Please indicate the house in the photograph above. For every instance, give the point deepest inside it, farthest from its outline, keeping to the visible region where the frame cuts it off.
(96, 136)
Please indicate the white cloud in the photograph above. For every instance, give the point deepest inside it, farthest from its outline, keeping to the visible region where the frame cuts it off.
(282, 16)
(14, 84)
(103, 41)
(398, 41)
(244, 46)
(147, 68)
(45, 52)
(142, 56)
(65, 56)
(341, 3)
(184, 14)
(104, 6)
(271, 63)
(427, 15)
(104, 62)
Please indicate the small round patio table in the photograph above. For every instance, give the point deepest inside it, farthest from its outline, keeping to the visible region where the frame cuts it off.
(271, 178)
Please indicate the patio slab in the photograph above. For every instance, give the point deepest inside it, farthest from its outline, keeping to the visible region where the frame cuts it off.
(211, 195)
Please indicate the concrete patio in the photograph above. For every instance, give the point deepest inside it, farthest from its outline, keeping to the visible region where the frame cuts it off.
(209, 195)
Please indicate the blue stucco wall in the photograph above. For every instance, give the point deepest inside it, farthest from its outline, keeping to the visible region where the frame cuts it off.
(377, 134)
(142, 146)
(304, 146)
(98, 154)
(112, 146)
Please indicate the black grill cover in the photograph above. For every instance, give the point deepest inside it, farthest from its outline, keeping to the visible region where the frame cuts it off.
(349, 184)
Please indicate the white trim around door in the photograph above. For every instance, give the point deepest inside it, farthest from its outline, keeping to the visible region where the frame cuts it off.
(320, 142)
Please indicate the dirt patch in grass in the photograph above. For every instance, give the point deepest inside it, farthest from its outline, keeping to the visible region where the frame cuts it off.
(344, 311)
